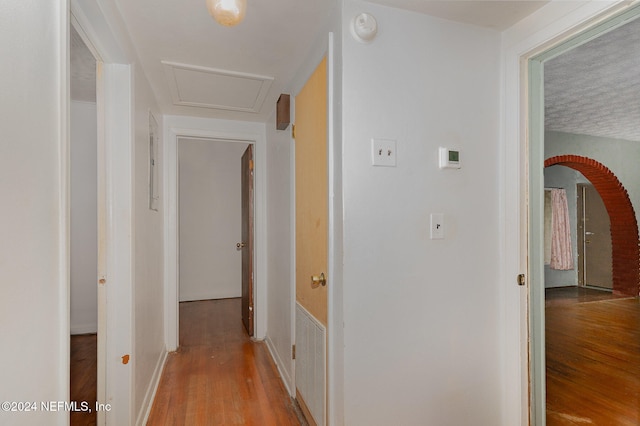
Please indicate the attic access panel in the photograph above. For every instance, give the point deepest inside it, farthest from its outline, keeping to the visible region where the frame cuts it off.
(203, 87)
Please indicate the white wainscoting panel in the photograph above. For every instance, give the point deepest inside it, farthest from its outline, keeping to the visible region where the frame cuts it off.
(311, 338)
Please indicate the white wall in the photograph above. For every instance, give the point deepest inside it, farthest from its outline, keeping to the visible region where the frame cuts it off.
(148, 338)
(34, 152)
(280, 296)
(421, 316)
(210, 219)
(84, 218)
(133, 320)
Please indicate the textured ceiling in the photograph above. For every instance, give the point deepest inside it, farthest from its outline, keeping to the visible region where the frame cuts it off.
(594, 89)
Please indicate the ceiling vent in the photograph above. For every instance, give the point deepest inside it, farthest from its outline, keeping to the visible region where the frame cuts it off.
(203, 87)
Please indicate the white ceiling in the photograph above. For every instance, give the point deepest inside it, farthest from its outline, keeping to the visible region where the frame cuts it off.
(594, 89)
(268, 46)
(497, 14)
(271, 43)
(238, 73)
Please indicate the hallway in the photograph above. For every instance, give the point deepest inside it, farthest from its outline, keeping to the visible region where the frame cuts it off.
(219, 376)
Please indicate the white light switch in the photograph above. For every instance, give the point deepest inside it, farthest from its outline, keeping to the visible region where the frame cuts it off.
(383, 152)
(437, 226)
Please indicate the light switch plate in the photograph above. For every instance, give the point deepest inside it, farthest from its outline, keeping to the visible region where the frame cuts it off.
(437, 226)
(383, 152)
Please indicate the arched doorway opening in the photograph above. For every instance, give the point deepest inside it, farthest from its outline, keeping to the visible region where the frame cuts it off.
(624, 226)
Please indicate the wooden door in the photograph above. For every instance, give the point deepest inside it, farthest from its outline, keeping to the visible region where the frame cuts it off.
(311, 192)
(594, 240)
(246, 246)
(311, 179)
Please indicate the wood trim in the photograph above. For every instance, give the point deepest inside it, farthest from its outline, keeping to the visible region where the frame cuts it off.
(283, 111)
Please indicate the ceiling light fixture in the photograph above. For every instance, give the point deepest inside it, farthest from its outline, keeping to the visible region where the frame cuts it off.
(227, 12)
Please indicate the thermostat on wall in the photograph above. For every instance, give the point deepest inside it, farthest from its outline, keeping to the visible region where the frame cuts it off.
(449, 158)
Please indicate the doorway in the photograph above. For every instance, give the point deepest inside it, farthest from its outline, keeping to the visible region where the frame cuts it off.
(594, 240)
(623, 222)
(215, 182)
(114, 169)
(538, 138)
(178, 129)
(83, 228)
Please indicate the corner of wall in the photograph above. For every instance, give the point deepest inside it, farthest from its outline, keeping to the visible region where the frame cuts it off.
(152, 388)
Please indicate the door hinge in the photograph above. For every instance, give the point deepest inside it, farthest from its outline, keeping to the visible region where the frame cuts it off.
(251, 165)
(293, 131)
(293, 351)
(521, 279)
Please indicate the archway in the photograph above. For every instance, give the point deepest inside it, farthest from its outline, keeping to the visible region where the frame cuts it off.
(624, 226)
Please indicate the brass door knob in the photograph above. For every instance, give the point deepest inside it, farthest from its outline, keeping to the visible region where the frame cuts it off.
(317, 281)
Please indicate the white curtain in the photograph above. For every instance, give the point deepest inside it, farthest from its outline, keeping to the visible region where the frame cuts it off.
(547, 226)
(561, 250)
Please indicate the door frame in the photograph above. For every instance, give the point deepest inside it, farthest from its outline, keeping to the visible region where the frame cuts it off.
(536, 207)
(115, 195)
(521, 183)
(335, 333)
(175, 128)
(580, 237)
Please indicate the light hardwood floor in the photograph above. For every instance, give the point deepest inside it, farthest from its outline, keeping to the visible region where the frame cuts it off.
(83, 376)
(219, 376)
(593, 359)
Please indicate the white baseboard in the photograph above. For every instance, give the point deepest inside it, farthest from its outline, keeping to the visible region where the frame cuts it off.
(84, 328)
(149, 396)
(284, 375)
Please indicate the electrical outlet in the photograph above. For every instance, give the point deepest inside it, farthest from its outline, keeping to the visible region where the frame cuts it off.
(383, 152)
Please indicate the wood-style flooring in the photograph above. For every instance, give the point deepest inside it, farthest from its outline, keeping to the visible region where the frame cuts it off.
(219, 376)
(83, 378)
(593, 358)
